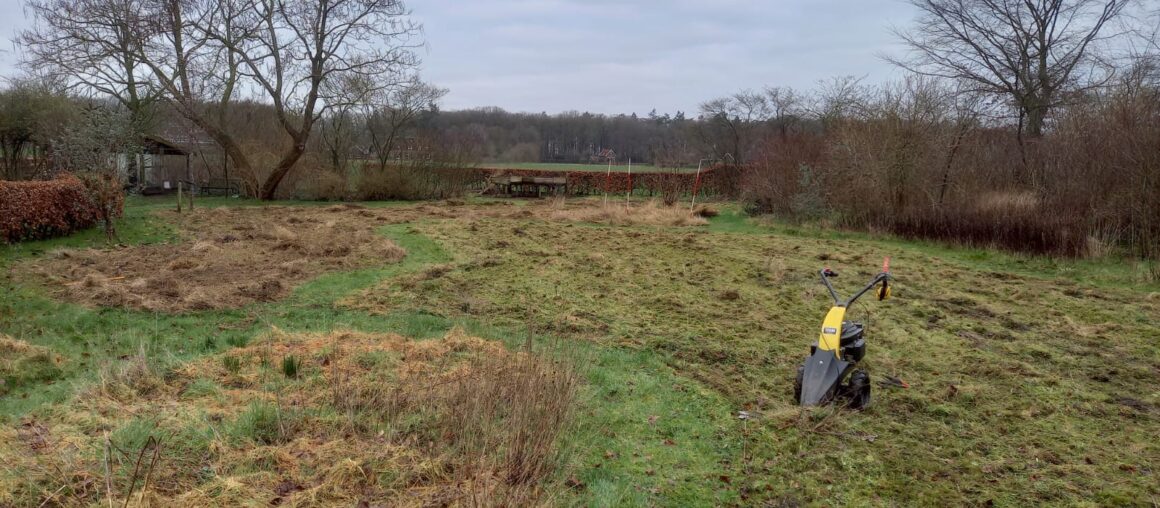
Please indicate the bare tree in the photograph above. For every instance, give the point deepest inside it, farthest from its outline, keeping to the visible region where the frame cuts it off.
(202, 55)
(395, 110)
(736, 116)
(786, 109)
(88, 44)
(1029, 51)
(838, 99)
(337, 136)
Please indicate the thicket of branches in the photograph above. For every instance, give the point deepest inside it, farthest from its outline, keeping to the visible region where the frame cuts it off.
(1033, 126)
(922, 159)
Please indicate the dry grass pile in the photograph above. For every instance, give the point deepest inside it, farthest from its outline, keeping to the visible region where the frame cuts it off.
(360, 418)
(618, 213)
(21, 362)
(231, 257)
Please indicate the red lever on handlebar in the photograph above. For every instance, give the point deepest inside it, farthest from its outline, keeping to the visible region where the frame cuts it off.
(886, 264)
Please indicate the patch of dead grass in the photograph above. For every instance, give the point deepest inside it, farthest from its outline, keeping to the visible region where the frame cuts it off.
(372, 417)
(236, 256)
(651, 213)
(233, 257)
(21, 362)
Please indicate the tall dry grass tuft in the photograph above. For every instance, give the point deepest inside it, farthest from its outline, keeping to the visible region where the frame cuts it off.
(129, 378)
(508, 415)
(494, 417)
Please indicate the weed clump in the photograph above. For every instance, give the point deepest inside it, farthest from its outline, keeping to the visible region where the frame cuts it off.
(130, 378)
(290, 366)
(22, 363)
(232, 364)
(265, 423)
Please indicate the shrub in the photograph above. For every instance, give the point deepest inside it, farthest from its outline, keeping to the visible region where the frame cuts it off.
(415, 182)
(45, 209)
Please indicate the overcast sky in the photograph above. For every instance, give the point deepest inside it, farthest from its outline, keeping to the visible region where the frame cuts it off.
(625, 56)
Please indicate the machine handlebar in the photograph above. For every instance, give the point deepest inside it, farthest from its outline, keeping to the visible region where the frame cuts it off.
(882, 277)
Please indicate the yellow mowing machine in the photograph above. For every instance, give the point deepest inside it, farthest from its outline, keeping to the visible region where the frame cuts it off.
(832, 371)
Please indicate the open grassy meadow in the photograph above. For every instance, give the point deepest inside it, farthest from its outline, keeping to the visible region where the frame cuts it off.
(556, 353)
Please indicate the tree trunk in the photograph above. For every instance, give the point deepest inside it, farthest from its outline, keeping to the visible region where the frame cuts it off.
(1036, 114)
(280, 171)
(232, 151)
(946, 179)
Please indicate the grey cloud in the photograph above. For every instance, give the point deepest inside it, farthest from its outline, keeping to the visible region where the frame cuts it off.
(631, 56)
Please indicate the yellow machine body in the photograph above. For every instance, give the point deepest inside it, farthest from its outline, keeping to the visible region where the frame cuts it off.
(831, 337)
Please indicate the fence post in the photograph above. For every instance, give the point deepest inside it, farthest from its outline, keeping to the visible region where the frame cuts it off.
(179, 197)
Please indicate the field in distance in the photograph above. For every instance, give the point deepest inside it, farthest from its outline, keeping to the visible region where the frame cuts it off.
(553, 166)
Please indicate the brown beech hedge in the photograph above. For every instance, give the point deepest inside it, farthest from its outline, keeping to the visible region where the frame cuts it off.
(44, 209)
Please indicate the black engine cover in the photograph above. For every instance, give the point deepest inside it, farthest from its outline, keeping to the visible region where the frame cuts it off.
(822, 374)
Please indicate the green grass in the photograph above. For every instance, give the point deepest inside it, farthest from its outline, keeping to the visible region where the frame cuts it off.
(1033, 380)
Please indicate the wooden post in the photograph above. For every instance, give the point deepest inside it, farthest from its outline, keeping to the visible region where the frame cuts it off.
(191, 197)
(696, 183)
(179, 197)
(628, 195)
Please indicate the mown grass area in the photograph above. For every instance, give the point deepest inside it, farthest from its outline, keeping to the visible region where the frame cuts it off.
(1032, 380)
(1025, 384)
(631, 405)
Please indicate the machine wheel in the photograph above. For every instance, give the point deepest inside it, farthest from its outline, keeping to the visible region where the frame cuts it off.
(797, 384)
(859, 390)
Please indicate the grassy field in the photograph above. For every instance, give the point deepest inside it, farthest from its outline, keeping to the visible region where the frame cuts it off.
(1032, 380)
(598, 168)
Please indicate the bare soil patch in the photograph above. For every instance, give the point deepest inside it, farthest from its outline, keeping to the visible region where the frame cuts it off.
(231, 257)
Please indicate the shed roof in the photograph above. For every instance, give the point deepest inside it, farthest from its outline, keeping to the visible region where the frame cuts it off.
(157, 145)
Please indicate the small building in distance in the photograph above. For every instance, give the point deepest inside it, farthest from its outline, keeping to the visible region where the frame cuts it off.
(157, 168)
(604, 156)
